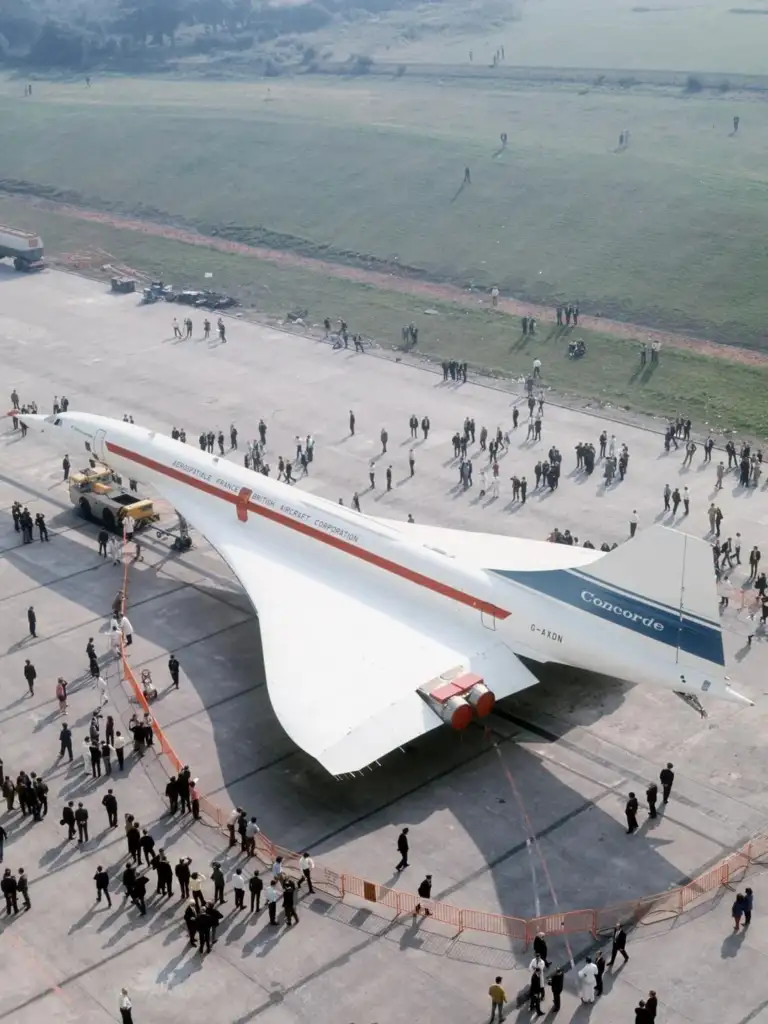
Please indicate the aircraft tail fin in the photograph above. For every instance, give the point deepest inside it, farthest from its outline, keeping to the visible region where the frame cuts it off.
(671, 574)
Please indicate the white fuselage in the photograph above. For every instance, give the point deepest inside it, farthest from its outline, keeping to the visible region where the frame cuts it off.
(338, 542)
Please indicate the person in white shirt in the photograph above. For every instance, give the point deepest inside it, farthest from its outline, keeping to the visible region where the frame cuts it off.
(588, 981)
(277, 868)
(232, 825)
(251, 831)
(115, 550)
(101, 684)
(87, 756)
(239, 882)
(127, 630)
(272, 895)
(307, 866)
(196, 887)
(537, 964)
(119, 746)
(126, 1007)
(634, 519)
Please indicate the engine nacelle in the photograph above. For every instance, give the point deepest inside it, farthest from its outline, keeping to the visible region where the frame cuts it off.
(481, 699)
(457, 696)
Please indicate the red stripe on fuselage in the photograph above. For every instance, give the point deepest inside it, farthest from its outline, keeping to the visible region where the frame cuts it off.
(310, 531)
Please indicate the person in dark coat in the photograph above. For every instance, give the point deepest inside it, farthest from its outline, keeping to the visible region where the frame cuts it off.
(619, 944)
(204, 930)
(652, 795)
(255, 885)
(666, 778)
(289, 900)
(425, 893)
(641, 1013)
(651, 1006)
(536, 993)
(190, 920)
(600, 965)
(402, 848)
(556, 984)
(68, 819)
(630, 811)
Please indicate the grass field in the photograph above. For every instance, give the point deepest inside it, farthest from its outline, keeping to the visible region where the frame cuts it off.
(670, 232)
(725, 396)
(687, 35)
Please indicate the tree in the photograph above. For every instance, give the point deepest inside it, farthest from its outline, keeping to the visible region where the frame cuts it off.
(155, 19)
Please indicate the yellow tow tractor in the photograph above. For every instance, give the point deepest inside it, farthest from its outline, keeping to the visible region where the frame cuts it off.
(99, 495)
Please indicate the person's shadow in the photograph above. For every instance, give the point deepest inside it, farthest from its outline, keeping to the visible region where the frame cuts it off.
(732, 944)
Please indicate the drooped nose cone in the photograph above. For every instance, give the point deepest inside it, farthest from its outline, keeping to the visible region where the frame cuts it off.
(34, 421)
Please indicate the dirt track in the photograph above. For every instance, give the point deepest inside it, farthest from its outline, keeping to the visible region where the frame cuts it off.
(407, 285)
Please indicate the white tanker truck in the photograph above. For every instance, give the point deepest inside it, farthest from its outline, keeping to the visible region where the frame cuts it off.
(24, 249)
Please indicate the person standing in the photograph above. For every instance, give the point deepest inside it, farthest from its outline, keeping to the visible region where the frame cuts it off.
(351, 423)
(402, 848)
(652, 795)
(255, 887)
(556, 983)
(749, 902)
(634, 519)
(588, 981)
(182, 873)
(125, 1004)
(68, 819)
(190, 920)
(30, 674)
(424, 892)
(666, 778)
(65, 740)
(196, 887)
(81, 820)
(737, 910)
(173, 668)
(217, 877)
(600, 965)
(109, 802)
(271, 896)
(3, 839)
(203, 924)
(22, 886)
(651, 1006)
(498, 998)
(238, 886)
(119, 747)
(289, 902)
(307, 866)
(101, 878)
(630, 810)
(9, 888)
(61, 694)
(32, 620)
(619, 944)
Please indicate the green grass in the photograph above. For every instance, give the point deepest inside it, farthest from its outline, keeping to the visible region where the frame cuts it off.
(686, 36)
(669, 233)
(713, 392)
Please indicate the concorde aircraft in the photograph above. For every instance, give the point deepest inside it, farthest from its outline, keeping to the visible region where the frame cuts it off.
(375, 632)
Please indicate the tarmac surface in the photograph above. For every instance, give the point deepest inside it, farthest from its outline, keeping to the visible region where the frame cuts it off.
(525, 819)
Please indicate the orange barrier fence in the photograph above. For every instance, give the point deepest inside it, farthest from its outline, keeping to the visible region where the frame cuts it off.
(647, 910)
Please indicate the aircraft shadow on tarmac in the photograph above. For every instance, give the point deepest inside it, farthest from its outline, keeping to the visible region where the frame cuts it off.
(473, 776)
